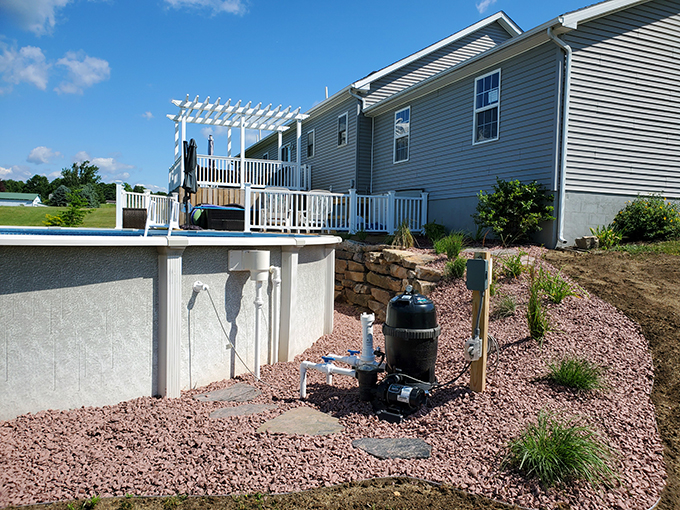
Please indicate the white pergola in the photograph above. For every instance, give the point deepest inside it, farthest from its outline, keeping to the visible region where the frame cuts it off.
(234, 116)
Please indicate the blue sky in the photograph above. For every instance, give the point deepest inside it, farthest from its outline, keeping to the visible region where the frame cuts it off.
(93, 79)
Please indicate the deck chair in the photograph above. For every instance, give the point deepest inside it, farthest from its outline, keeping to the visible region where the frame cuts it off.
(315, 214)
(276, 208)
(154, 219)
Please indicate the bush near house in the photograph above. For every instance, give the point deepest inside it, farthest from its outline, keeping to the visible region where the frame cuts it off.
(648, 219)
(514, 210)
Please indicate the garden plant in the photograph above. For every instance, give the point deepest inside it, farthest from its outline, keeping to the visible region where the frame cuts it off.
(576, 373)
(650, 218)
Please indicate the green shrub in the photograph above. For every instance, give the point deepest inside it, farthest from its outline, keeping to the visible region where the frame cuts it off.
(607, 236)
(514, 210)
(554, 286)
(60, 197)
(451, 245)
(513, 265)
(506, 306)
(72, 216)
(434, 231)
(556, 451)
(579, 374)
(648, 219)
(403, 236)
(537, 317)
(455, 268)
(90, 195)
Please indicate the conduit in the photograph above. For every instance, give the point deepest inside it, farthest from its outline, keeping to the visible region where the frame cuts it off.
(276, 314)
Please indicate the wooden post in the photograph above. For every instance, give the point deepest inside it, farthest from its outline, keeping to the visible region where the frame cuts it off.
(478, 368)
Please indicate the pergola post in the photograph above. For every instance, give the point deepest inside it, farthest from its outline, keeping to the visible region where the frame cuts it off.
(229, 143)
(243, 152)
(280, 145)
(298, 155)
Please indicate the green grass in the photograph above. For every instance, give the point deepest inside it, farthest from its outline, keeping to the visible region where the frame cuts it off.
(452, 245)
(554, 286)
(102, 217)
(559, 452)
(579, 374)
(455, 268)
(537, 318)
(664, 247)
(505, 306)
(513, 267)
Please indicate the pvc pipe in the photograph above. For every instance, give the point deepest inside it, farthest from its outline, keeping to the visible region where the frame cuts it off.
(276, 312)
(327, 368)
(367, 320)
(352, 361)
(258, 313)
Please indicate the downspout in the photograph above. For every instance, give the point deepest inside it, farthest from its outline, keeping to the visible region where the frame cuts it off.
(362, 102)
(565, 131)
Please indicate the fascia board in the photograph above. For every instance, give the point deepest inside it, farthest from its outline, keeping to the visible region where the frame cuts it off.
(572, 19)
(500, 17)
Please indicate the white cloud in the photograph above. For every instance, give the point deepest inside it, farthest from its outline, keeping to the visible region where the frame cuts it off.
(110, 168)
(83, 71)
(147, 115)
(216, 6)
(38, 16)
(216, 131)
(484, 5)
(15, 172)
(27, 64)
(41, 155)
(153, 188)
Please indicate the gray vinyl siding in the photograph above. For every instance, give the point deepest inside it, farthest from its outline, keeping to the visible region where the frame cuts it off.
(624, 129)
(442, 157)
(437, 61)
(363, 163)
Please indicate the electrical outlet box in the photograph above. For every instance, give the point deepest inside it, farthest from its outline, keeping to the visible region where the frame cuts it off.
(477, 274)
(472, 349)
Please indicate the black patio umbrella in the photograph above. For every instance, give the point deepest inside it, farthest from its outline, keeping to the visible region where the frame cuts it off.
(190, 185)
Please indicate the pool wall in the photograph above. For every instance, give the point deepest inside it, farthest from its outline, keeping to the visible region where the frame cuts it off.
(96, 324)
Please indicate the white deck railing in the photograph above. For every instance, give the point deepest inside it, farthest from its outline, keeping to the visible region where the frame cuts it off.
(220, 171)
(131, 200)
(318, 210)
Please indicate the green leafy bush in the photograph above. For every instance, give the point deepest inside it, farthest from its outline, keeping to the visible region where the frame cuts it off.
(72, 216)
(455, 268)
(451, 245)
(648, 219)
(579, 374)
(434, 231)
(607, 236)
(514, 210)
(513, 266)
(557, 451)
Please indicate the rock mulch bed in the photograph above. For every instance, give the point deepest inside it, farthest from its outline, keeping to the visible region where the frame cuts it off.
(150, 446)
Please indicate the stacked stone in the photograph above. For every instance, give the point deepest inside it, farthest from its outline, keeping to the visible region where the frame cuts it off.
(369, 276)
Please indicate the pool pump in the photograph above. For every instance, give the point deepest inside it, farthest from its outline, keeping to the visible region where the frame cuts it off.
(411, 336)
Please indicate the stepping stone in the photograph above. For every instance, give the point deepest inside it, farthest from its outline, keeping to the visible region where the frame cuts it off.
(303, 420)
(241, 410)
(239, 392)
(394, 448)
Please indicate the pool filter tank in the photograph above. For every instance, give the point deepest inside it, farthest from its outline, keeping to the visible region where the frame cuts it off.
(411, 337)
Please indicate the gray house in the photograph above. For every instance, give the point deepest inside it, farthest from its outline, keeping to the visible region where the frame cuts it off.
(586, 104)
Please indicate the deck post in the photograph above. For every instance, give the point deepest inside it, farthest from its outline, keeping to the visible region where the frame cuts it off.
(229, 143)
(352, 211)
(391, 195)
(120, 203)
(423, 210)
(247, 204)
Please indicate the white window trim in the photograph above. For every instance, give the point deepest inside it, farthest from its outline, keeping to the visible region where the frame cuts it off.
(475, 111)
(265, 155)
(313, 143)
(408, 138)
(346, 115)
(290, 153)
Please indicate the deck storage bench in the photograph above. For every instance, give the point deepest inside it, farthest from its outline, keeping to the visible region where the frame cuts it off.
(216, 217)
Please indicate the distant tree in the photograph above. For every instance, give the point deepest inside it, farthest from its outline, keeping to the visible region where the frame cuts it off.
(38, 184)
(80, 174)
(138, 189)
(107, 191)
(2, 187)
(14, 186)
(91, 195)
(60, 197)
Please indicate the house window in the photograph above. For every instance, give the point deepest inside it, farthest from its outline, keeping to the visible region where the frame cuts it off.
(342, 129)
(310, 143)
(487, 106)
(265, 155)
(285, 152)
(402, 125)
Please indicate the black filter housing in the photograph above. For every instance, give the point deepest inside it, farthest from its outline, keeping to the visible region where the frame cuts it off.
(411, 336)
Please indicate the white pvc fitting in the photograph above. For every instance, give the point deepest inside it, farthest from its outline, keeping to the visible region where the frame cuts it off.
(367, 320)
(257, 261)
(199, 286)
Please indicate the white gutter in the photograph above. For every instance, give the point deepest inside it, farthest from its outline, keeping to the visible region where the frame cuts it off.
(565, 132)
